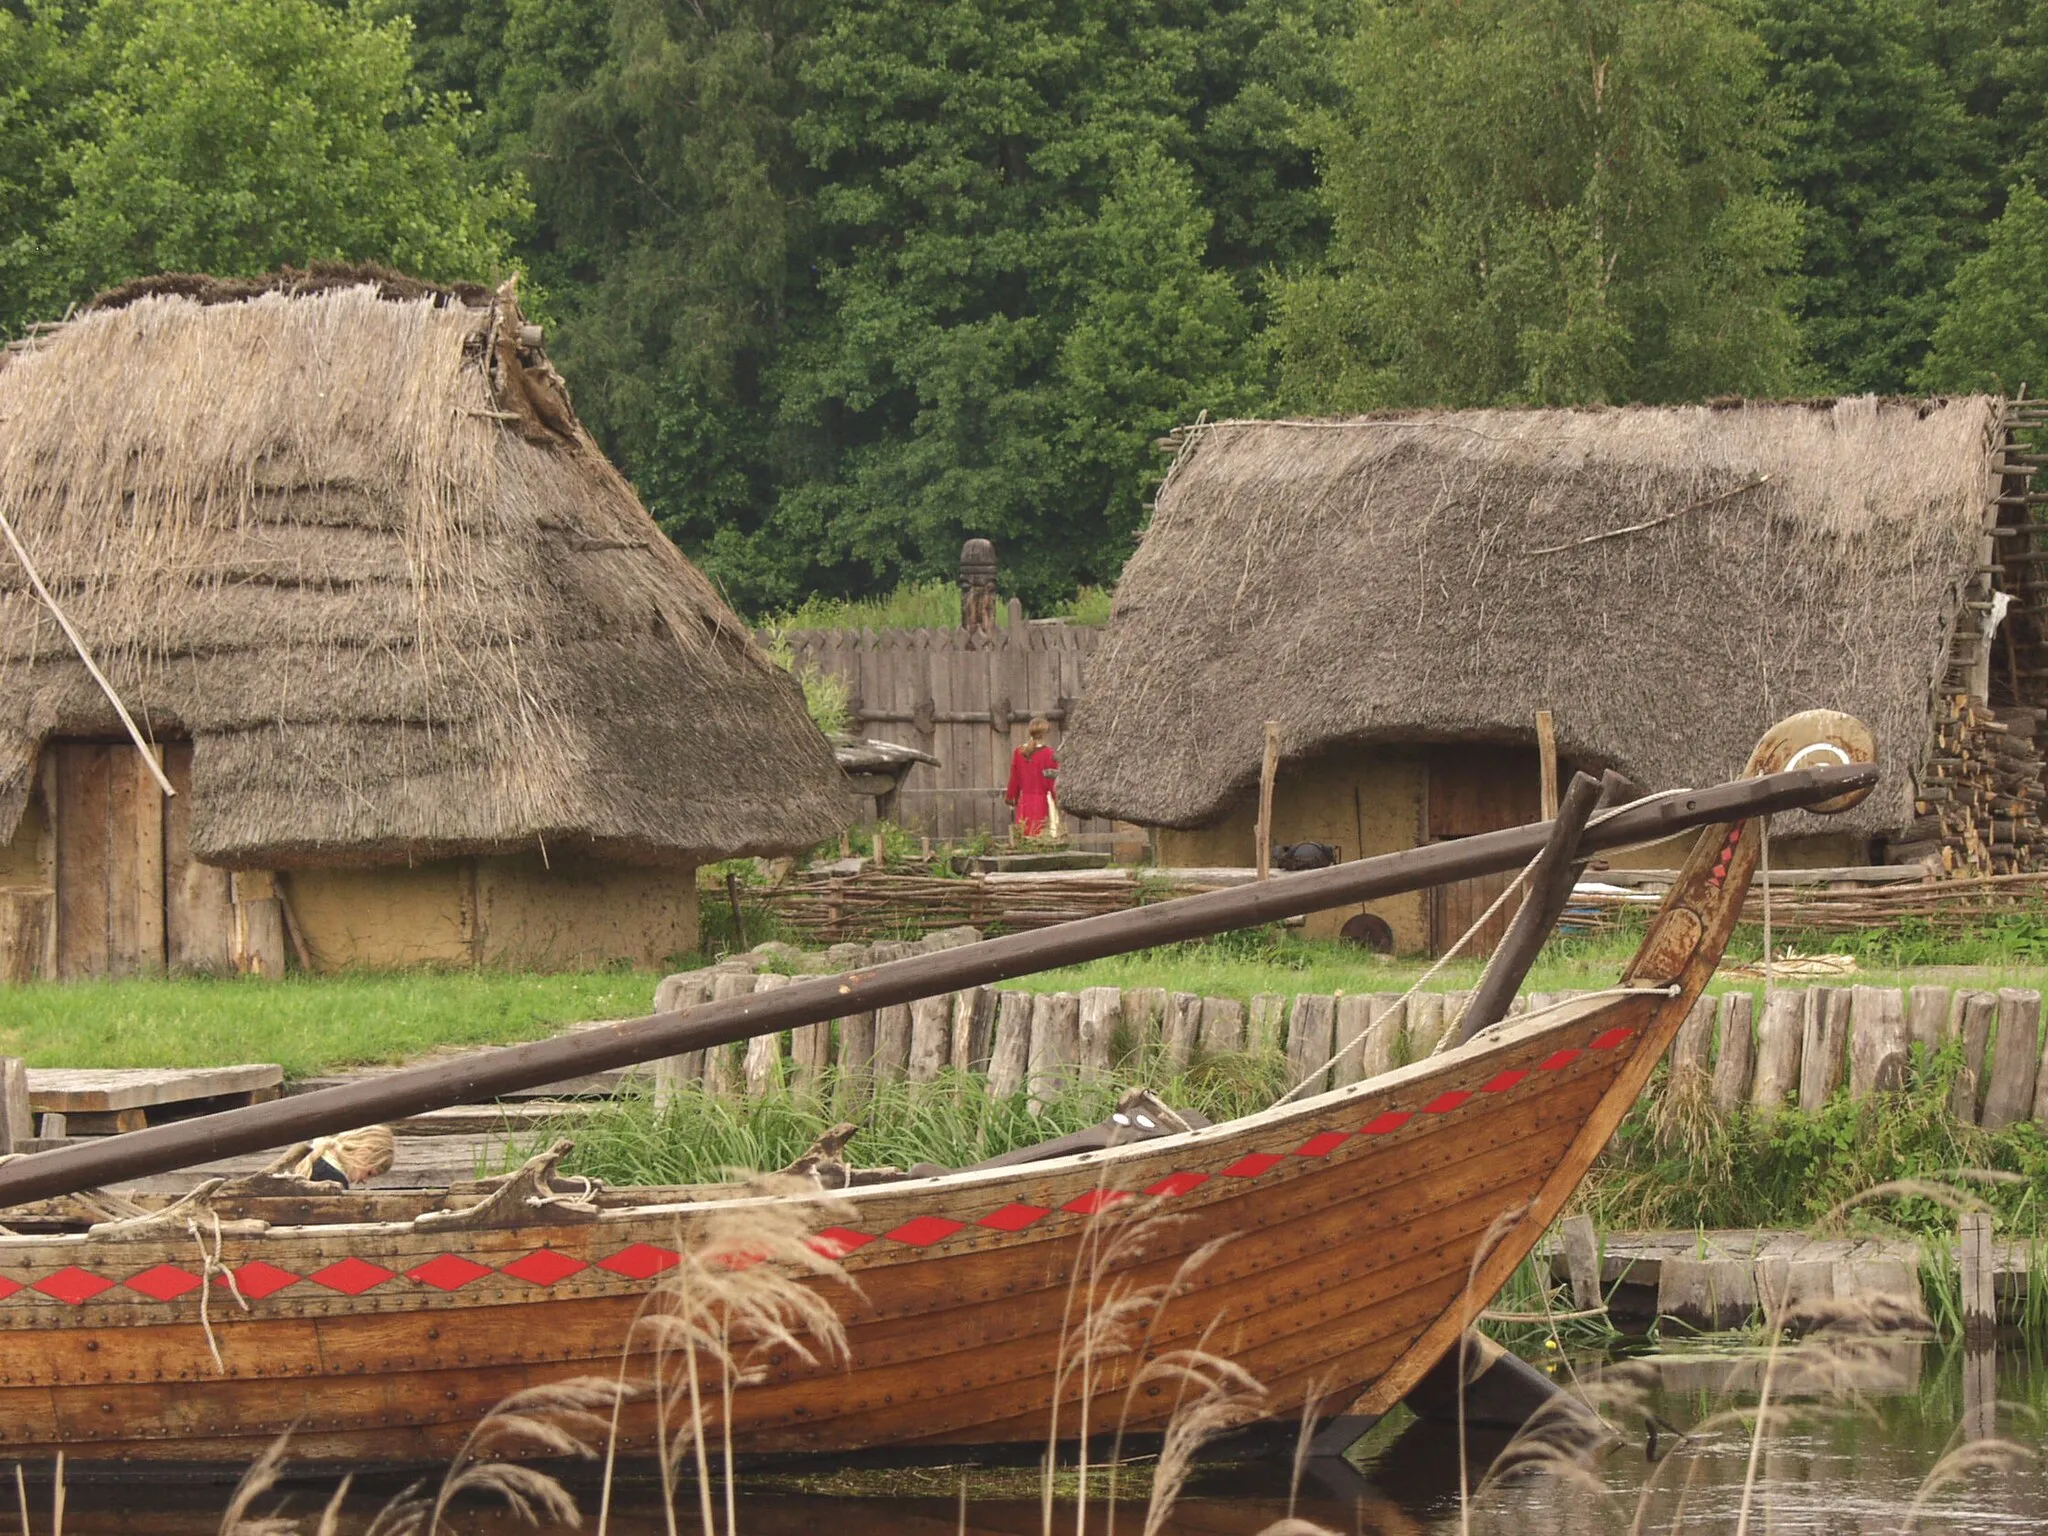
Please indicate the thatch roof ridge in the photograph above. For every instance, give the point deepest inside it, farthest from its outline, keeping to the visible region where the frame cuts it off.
(1666, 579)
(323, 532)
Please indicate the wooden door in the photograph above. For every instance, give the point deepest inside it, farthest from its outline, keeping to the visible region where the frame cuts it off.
(1474, 789)
(110, 861)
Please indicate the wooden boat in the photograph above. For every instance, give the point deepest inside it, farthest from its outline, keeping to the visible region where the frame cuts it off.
(1364, 1227)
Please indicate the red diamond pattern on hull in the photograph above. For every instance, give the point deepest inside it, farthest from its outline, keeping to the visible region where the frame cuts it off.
(838, 1242)
(449, 1272)
(544, 1266)
(166, 1282)
(1014, 1217)
(351, 1276)
(74, 1285)
(256, 1279)
(1096, 1200)
(1252, 1164)
(642, 1261)
(1323, 1145)
(923, 1231)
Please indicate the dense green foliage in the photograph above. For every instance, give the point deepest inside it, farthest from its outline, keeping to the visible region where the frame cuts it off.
(842, 282)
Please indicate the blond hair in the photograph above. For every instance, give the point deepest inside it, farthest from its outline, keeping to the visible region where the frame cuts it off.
(1039, 728)
(360, 1154)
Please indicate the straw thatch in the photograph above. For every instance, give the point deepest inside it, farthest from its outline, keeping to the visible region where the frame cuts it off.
(345, 533)
(1439, 577)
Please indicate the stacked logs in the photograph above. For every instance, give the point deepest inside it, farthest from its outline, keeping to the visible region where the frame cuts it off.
(1977, 802)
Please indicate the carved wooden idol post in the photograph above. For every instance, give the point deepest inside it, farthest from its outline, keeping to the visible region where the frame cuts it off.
(978, 587)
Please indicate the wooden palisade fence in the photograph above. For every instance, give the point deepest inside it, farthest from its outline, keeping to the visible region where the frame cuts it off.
(963, 695)
(1793, 1047)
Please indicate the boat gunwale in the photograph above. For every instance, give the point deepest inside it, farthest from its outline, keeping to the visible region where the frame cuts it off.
(1506, 1035)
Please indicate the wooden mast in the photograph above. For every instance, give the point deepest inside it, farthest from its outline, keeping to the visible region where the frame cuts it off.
(483, 1076)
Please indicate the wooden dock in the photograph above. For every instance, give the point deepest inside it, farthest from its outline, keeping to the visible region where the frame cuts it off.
(100, 1101)
(1715, 1279)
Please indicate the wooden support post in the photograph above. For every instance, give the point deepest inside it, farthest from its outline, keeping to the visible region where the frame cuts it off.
(1823, 1053)
(1181, 1029)
(1974, 1014)
(1269, 765)
(974, 1019)
(1425, 1024)
(763, 1061)
(1055, 1045)
(1878, 1048)
(1546, 759)
(1926, 1019)
(677, 994)
(892, 1041)
(1101, 1012)
(17, 1126)
(722, 1071)
(1354, 1018)
(25, 921)
(1693, 1047)
(1582, 1261)
(1011, 1056)
(1311, 1026)
(259, 923)
(1222, 1026)
(1735, 1064)
(2014, 1059)
(1144, 1015)
(1265, 1023)
(931, 1036)
(1974, 1256)
(1780, 1038)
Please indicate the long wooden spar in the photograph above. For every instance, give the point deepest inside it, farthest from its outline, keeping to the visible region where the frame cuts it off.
(487, 1074)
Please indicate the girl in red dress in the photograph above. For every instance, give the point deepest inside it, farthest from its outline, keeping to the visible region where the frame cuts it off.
(1032, 767)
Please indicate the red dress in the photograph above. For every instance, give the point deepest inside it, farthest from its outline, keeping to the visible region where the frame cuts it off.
(1031, 771)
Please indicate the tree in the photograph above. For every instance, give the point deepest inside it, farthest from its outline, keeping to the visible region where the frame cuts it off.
(1895, 176)
(237, 135)
(1994, 334)
(1545, 201)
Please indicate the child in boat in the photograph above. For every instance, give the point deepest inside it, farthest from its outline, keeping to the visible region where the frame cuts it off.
(353, 1157)
(1032, 767)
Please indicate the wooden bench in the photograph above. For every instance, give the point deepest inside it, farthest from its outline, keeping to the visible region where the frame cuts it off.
(103, 1101)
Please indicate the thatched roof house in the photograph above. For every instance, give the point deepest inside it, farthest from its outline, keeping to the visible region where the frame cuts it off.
(340, 544)
(1666, 581)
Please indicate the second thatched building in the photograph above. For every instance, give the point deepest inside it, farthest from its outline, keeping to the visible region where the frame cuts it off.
(1403, 593)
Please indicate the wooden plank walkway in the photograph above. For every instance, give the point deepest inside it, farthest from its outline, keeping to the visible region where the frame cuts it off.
(1713, 1278)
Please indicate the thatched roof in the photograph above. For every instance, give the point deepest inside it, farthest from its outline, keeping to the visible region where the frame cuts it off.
(1442, 576)
(348, 536)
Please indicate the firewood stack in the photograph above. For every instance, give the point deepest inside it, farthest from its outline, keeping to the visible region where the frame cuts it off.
(1978, 800)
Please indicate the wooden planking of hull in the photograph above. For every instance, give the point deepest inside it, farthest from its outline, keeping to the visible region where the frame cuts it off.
(1333, 1248)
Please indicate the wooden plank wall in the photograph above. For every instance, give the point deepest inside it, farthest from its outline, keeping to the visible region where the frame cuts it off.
(965, 698)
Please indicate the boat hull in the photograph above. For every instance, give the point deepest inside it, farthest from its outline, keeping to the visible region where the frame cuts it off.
(1354, 1224)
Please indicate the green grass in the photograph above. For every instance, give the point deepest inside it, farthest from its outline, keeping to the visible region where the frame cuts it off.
(953, 1121)
(1676, 1163)
(307, 1025)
